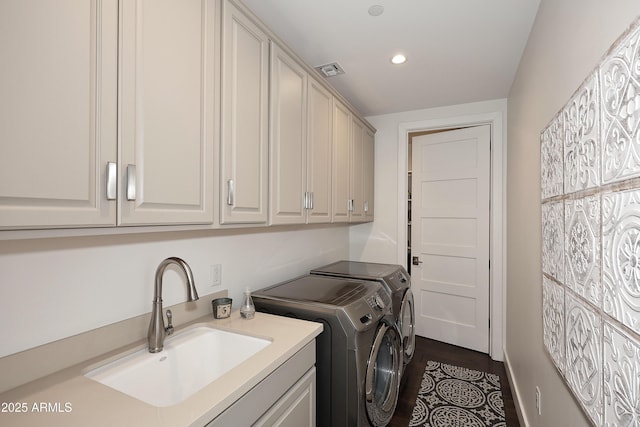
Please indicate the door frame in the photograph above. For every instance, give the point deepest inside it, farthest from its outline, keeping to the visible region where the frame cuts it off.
(497, 236)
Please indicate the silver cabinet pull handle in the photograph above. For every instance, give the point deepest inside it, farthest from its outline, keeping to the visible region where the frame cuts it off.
(230, 192)
(366, 206)
(112, 180)
(131, 182)
(350, 205)
(308, 199)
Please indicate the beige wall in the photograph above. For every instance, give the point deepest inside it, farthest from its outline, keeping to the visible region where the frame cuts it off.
(568, 39)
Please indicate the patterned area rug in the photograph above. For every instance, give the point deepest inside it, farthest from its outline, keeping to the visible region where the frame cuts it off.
(451, 396)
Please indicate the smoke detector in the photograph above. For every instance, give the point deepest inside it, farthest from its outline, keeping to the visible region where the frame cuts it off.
(330, 70)
(376, 10)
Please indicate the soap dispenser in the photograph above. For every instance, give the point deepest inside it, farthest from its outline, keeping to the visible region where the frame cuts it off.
(247, 309)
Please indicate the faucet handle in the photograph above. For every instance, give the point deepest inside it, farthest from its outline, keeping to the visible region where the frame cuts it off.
(169, 328)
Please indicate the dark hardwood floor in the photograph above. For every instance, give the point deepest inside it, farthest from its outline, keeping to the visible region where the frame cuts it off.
(426, 350)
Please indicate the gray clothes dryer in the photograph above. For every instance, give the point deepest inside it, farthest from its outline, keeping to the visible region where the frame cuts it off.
(396, 281)
(358, 353)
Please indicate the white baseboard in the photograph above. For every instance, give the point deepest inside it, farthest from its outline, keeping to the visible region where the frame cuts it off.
(515, 392)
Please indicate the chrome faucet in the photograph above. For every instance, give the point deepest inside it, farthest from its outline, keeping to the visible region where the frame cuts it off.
(157, 330)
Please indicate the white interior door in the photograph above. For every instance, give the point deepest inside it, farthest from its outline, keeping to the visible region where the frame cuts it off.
(450, 236)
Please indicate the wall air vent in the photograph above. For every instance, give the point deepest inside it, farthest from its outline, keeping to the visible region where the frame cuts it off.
(330, 70)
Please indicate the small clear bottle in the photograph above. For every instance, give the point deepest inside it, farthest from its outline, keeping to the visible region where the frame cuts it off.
(247, 309)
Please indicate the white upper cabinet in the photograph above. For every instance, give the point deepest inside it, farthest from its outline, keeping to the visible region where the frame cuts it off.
(368, 175)
(356, 181)
(300, 144)
(288, 139)
(362, 172)
(119, 113)
(107, 107)
(319, 149)
(244, 145)
(58, 112)
(341, 159)
(353, 157)
(167, 130)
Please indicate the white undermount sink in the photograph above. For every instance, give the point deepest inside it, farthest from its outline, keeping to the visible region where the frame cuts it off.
(190, 360)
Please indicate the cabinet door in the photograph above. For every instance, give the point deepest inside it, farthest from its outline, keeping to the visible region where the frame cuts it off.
(244, 144)
(319, 167)
(288, 139)
(58, 82)
(341, 162)
(368, 146)
(297, 408)
(357, 171)
(166, 117)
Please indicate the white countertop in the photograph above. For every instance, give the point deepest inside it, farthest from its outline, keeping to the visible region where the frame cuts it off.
(69, 399)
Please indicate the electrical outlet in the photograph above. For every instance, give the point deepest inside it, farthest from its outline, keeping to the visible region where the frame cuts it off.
(538, 400)
(216, 275)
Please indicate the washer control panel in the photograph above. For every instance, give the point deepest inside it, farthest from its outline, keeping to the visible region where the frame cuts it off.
(367, 310)
(401, 278)
(376, 302)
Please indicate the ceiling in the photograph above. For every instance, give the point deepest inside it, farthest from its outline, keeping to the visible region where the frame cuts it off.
(458, 51)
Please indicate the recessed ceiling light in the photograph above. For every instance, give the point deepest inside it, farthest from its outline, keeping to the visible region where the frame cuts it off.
(376, 10)
(399, 59)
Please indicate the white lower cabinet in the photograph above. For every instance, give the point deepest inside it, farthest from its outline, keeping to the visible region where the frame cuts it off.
(287, 397)
(296, 408)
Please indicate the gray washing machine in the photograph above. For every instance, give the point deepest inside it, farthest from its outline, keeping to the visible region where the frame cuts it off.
(358, 353)
(396, 281)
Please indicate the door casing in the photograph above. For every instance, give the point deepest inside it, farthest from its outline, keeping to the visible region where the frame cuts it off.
(497, 245)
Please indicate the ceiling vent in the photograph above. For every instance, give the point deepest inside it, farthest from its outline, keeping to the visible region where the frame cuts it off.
(330, 70)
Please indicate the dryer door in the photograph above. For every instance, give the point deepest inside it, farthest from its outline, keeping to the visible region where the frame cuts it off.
(382, 381)
(406, 324)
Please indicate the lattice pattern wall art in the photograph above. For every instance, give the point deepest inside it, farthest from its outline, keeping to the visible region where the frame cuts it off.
(590, 179)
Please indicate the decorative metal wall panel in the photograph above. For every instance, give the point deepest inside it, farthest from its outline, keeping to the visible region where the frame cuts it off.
(551, 149)
(621, 257)
(621, 378)
(581, 127)
(582, 248)
(591, 238)
(584, 356)
(620, 81)
(553, 320)
(552, 240)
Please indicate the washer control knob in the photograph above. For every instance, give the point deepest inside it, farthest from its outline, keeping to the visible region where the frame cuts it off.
(379, 302)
